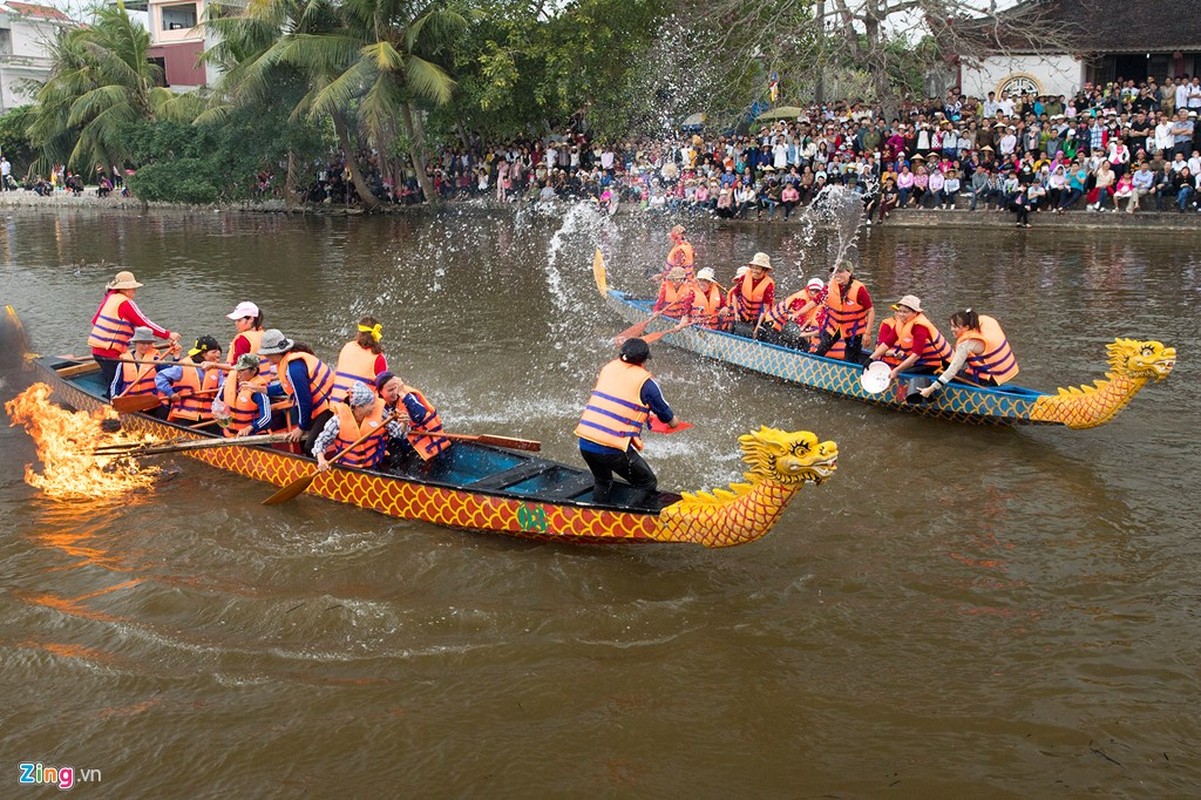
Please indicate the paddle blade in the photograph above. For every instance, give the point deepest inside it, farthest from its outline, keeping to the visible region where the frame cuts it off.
(637, 329)
(658, 426)
(291, 490)
(598, 273)
(130, 405)
(650, 338)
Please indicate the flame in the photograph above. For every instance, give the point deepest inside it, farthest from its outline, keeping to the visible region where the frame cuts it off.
(65, 441)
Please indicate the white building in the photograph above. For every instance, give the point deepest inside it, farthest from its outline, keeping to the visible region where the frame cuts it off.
(26, 31)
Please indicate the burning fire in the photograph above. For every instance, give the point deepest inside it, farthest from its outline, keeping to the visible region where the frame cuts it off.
(65, 441)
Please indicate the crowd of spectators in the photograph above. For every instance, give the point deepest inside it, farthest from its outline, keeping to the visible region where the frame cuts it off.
(1118, 146)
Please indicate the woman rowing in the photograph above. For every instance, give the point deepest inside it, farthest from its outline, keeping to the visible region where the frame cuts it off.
(909, 341)
(136, 378)
(359, 417)
(982, 348)
(243, 399)
(794, 321)
(424, 420)
(305, 379)
(361, 359)
(191, 384)
(114, 322)
(755, 292)
(708, 302)
(675, 295)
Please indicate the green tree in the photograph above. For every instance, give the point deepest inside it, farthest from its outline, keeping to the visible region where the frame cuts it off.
(100, 81)
(14, 139)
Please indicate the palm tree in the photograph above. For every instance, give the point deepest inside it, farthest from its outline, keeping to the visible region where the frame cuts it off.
(101, 80)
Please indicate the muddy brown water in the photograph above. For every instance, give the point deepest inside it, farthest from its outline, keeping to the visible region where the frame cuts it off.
(959, 612)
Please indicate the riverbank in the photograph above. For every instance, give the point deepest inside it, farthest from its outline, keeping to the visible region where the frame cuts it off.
(960, 216)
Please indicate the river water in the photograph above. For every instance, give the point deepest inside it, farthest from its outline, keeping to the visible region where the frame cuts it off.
(959, 612)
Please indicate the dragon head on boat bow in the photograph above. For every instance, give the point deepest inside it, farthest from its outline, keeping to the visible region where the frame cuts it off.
(1132, 363)
(780, 463)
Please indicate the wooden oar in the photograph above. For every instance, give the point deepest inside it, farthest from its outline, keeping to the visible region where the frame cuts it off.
(145, 402)
(650, 338)
(300, 484)
(598, 273)
(78, 369)
(484, 438)
(200, 444)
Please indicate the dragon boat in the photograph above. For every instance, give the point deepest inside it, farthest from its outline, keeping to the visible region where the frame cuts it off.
(1132, 363)
(489, 489)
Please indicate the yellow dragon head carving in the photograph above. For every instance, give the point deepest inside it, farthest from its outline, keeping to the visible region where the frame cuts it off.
(1141, 359)
(788, 458)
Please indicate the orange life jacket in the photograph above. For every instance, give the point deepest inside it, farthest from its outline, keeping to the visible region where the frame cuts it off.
(321, 379)
(682, 255)
(139, 378)
(243, 409)
(781, 312)
(368, 453)
(997, 362)
(429, 444)
(674, 301)
(844, 313)
(706, 305)
(109, 331)
(186, 405)
(937, 351)
(355, 363)
(266, 368)
(615, 413)
(751, 295)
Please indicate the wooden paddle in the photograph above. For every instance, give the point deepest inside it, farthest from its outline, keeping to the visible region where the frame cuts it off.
(145, 402)
(650, 338)
(200, 444)
(484, 438)
(78, 369)
(598, 273)
(300, 484)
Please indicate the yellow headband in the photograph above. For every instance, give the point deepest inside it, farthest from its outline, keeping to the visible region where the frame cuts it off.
(377, 332)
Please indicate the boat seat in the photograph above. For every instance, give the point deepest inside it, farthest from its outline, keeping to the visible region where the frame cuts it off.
(512, 475)
(571, 488)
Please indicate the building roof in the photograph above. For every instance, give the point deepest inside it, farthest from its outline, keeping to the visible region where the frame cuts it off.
(1099, 26)
(35, 10)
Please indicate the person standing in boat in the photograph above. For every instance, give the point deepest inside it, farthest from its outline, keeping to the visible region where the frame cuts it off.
(850, 317)
(361, 413)
(304, 378)
(114, 322)
(243, 399)
(675, 295)
(361, 359)
(909, 340)
(982, 347)
(755, 292)
(248, 322)
(137, 379)
(422, 417)
(625, 396)
(681, 255)
(191, 384)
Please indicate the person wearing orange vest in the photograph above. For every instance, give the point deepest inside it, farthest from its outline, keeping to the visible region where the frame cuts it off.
(909, 340)
(133, 380)
(304, 378)
(423, 418)
(620, 405)
(114, 322)
(675, 295)
(751, 295)
(793, 322)
(243, 400)
(850, 317)
(734, 305)
(361, 359)
(191, 385)
(982, 347)
(248, 322)
(361, 415)
(708, 303)
(681, 255)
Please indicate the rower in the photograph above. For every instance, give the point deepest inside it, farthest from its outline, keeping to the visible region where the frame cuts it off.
(624, 397)
(756, 291)
(248, 322)
(793, 322)
(134, 380)
(981, 346)
(707, 300)
(909, 341)
(304, 378)
(243, 399)
(191, 384)
(360, 415)
(114, 322)
(675, 295)
(423, 419)
(361, 359)
(734, 305)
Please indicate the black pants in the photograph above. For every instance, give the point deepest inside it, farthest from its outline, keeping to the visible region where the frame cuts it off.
(854, 347)
(108, 371)
(629, 465)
